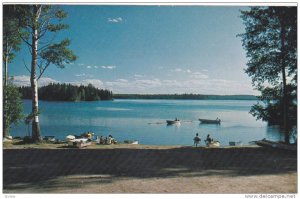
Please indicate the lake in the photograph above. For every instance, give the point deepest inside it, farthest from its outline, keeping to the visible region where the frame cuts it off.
(145, 120)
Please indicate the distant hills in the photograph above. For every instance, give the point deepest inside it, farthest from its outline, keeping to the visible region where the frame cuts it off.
(184, 96)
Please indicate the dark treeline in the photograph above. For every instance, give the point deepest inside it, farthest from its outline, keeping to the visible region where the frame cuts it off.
(68, 92)
(185, 96)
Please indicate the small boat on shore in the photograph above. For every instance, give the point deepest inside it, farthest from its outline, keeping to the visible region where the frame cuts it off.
(213, 144)
(131, 141)
(79, 143)
(170, 122)
(276, 145)
(207, 121)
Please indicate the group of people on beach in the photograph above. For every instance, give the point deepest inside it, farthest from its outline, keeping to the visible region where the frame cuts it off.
(197, 139)
(107, 140)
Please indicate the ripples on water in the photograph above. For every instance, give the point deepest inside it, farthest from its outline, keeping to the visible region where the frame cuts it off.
(145, 120)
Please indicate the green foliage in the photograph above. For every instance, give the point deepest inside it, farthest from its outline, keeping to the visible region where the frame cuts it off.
(58, 54)
(68, 92)
(11, 39)
(270, 40)
(262, 41)
(13, 110)
(48, 23)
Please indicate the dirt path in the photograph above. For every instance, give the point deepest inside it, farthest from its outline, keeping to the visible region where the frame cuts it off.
(147, 169)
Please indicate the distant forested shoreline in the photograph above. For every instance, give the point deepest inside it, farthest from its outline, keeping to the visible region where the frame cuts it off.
(185, 96)
(68, 92)
(73, 93)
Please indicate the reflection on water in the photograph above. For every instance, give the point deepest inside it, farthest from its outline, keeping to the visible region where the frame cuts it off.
(145, 120)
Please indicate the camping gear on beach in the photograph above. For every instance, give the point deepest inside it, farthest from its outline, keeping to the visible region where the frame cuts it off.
(170, 122)
(276, 145)
(208, 121)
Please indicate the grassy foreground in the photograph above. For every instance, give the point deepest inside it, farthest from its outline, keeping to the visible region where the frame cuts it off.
(53, 168)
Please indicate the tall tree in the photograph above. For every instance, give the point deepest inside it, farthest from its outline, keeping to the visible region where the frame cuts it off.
(270, 41)
(11, 44)
(38, 21)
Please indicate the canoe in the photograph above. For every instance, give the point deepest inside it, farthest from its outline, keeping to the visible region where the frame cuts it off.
(79, 143)
(276, 145)
(213, 144)
(170, 122)
(207, 121)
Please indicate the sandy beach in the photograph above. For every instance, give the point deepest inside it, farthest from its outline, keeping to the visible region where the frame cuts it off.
(148, 169)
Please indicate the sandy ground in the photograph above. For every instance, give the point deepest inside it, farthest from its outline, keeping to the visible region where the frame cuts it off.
(148, 169)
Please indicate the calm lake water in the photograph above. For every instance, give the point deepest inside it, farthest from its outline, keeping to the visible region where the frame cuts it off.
(145, 120)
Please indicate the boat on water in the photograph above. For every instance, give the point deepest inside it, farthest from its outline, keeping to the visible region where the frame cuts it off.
(208, 121)
(276, 145)
(176, 121)
(213, 144)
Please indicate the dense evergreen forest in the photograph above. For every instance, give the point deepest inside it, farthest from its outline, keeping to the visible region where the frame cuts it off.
(185, 96)
(68, 92)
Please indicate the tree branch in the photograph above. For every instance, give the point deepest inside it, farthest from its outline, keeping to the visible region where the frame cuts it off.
(24, 40)
(26, 66)
(42, 70)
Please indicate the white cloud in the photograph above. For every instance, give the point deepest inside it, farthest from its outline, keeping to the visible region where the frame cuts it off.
(115, 20)
(199, 75)
(138, 76)
(200, 85)
(89, 67)
(108, 67)
(24, 80)
(182, 70)
(122, 80)
(83, 75)
(95, 66)
(80, 75)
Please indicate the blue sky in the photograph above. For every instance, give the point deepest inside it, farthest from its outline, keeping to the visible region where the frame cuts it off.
(151, 49)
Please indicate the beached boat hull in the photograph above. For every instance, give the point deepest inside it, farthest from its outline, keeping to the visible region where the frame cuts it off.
(276, 145)
(206, 121)
(170, 122)
(79, 143)
(213, 144)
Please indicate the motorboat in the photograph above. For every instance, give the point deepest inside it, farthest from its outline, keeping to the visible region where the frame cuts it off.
(208, 121)
(176, 121)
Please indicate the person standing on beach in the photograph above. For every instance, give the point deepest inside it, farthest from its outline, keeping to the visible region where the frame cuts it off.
(197, 139)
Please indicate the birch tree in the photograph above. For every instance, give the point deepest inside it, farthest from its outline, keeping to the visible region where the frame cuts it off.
(40, 24)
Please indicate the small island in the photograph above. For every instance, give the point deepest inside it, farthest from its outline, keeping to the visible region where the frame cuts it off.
(68, 92)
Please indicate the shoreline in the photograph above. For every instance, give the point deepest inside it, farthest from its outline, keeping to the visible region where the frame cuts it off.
(48, 145)
(125, 168)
